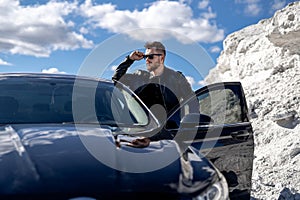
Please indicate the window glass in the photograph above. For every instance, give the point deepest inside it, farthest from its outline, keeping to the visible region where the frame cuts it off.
(223, 106)
(136, 111)
(50, 100)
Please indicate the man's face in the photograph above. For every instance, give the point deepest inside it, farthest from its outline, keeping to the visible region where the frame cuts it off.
(155, 62)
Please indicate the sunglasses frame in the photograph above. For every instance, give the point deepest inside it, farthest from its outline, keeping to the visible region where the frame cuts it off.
(151, 56)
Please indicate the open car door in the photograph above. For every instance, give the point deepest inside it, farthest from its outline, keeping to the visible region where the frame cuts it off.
(222, 133)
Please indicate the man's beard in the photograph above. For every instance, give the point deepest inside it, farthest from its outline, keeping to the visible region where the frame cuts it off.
(151, 67)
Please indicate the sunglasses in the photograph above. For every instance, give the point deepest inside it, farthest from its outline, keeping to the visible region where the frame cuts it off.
(151, 56)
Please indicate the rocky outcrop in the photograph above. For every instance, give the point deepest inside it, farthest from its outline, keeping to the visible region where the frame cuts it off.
(265, 58)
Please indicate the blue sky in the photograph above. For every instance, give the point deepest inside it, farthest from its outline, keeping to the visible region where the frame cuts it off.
(60, 36)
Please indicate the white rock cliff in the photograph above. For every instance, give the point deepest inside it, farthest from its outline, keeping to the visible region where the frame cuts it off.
(265, 58)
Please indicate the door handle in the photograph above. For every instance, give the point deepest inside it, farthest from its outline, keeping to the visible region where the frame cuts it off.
(240, 135)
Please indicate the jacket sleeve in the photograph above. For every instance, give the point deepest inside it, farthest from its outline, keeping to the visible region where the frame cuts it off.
(122, 69)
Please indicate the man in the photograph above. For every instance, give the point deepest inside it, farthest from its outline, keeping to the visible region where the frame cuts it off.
(161, 88)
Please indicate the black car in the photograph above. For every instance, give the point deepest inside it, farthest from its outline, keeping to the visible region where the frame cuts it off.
(65, 137)
(223, 134)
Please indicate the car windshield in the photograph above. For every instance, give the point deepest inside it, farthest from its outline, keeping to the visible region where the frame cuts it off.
(60, 100)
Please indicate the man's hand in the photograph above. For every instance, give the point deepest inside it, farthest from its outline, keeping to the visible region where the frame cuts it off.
(136, 55)
(140, 143)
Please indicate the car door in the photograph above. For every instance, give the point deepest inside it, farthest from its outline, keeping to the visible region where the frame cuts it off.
(223, 133)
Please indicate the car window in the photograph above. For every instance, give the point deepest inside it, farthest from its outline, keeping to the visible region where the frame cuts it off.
(49, 100)
(136, 112)
(223, 106)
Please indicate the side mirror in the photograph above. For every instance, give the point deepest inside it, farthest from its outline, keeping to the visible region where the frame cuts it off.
(195, 119)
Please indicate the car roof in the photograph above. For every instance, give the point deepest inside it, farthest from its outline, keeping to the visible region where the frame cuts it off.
(55, 76)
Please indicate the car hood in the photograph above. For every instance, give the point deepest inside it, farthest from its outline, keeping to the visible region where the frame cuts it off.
(85, 160)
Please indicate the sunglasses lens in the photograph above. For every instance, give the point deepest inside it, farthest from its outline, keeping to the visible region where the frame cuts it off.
(150, 56)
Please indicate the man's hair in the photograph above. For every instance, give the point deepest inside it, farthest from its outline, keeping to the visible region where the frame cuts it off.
(156, 45)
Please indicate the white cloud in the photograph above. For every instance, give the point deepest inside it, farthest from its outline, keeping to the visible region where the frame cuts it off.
(84, 30)
(38, 30)
(252, 7)
(114, 67)
(186, 1)
(202, 83)
(191, 80)
(2, 62)
(203, 4)
(247, 1)
(171, 18)
(278, 4)
(215, 49)
(209, 14)
(52, 71)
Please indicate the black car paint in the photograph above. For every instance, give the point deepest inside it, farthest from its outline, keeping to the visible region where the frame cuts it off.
(229, 146)
(43, 166)
(61, 166)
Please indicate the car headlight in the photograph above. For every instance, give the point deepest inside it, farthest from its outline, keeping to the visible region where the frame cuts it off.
(217, 191)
